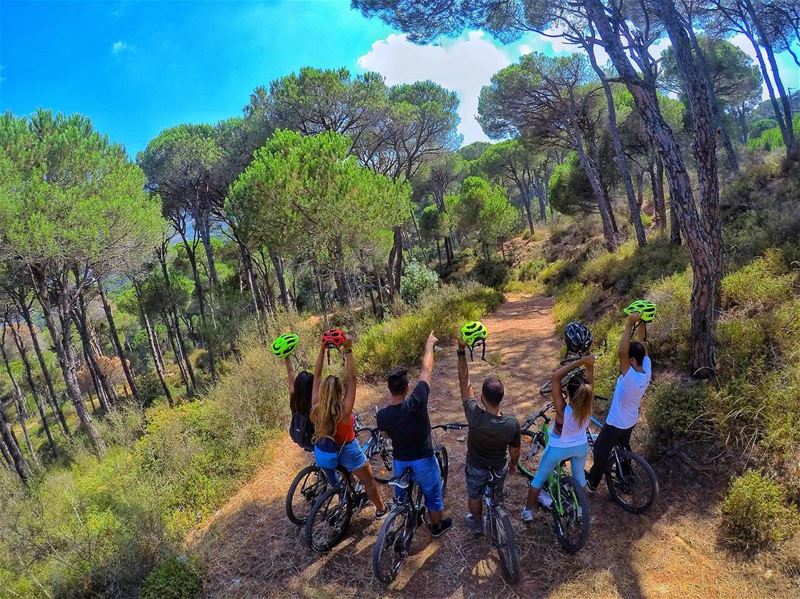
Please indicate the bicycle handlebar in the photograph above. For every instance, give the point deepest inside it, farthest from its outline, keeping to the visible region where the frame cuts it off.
(541, 414)
(451, 426)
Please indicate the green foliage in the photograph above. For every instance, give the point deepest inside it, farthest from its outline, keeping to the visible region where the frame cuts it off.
(574, 300)
(174, 578)
(755, 514)
(760, 285)
(675, 410)
(569, 190)
(531, 269)
(491, 272)
(770, 139)
(759, 126)
(149, 387)
(401, 340)
(417, 282)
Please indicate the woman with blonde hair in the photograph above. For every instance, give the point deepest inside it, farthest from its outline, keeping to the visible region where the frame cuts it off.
(567, 440)
(335, 442)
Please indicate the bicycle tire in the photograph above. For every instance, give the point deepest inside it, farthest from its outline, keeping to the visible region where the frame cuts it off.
(308, 492)
(382, 464)
(388, 538)
(570, 493)
(619, 482)
(322, 513)
(444, 466)
(507, 545)
(525, 464)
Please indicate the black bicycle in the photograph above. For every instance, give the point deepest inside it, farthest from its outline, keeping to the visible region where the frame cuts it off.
(329, 517)
(310, 483)
(497, 527)
(571, 515)
(397, 532)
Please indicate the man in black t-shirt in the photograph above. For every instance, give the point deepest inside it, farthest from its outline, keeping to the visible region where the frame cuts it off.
(405, 420)
(492, 443)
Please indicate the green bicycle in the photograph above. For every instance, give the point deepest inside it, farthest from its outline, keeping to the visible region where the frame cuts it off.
(570, 508)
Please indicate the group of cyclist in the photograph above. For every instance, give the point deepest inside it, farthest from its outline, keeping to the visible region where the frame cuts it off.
(323, 420)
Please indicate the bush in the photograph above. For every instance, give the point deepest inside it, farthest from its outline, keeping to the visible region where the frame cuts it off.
(149, 387)
(574, 302)
(401, 340)
(754, 513)
(417, 281)
(669, 332)
(762, 284)
(174, 578)
(675, 409)
(530, 270)
(491, 272)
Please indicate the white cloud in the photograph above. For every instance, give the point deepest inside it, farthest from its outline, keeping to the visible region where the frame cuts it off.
(118, 47)
(463, 65)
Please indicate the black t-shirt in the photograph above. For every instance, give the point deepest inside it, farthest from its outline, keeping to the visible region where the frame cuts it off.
(409, 425)
(489, 436)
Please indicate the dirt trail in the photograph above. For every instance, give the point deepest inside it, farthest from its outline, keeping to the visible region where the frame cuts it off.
(251, 549)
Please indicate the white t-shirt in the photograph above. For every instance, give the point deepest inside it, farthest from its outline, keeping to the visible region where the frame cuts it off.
(573, 433)
(628, 395)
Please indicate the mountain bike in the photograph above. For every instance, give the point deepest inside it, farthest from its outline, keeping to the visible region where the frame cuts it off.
(397, 532)
(571, 515)
(500, 531)
(309, 483)
(329, 517)
(631, 480)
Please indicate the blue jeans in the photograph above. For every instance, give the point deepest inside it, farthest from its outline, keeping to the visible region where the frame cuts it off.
(553, 456)
(426, 474)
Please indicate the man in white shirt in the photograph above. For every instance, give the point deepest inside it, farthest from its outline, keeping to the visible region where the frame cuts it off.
(636, 371)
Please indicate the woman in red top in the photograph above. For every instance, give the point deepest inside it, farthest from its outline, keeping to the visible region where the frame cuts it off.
(335, 441)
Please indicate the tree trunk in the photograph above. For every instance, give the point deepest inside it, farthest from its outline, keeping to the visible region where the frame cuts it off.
(19, 402)
(277, 263)
(65, 350)
(6, 455)
(82, 324)
(112, 329)
(699, 243)
(13, 449)
(177, 353)
(620, 160)
(674, 225)
(599, 192)
(48, 380)
(657, 184)
(394, 267)
(98, 387)
(339, 275)
(204, 229)
(158, 362)
(23, 355)
(182, 346)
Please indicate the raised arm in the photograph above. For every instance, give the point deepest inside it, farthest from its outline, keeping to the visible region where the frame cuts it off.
(641, 333)
(350, 378)
(463, 373)
(289, 375)
(317, 376)
(625, 342)
(427, 359)
(558, 397)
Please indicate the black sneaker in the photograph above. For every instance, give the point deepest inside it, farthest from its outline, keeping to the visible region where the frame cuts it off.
(388, 506)
(475, 525)
(438, 531)
(589, 486)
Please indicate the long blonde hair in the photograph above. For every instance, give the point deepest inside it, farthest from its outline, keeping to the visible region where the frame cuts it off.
(581, 402)
(329, 411)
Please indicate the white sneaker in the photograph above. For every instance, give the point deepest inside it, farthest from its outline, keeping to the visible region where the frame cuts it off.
(545, 500)
(527, 515)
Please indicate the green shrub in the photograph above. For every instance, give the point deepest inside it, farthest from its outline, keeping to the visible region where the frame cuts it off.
(149, 387)
(401, 340)
(761, 284)
(556, 272)
(530, 270)
(676, 409)
(491, 272)
(417, 281)
(573, 302)
(669, 332)
(174, 578)
(741, 344)
(755, 514)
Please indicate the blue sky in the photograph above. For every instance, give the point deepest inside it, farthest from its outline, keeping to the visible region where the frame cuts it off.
(136, 67)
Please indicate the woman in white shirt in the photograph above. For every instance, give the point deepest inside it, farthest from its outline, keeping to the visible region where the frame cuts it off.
(568, 438)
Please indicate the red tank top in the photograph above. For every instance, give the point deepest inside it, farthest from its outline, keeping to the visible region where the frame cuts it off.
(345, 431)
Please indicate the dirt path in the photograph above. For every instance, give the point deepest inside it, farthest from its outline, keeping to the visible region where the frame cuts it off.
(251, 550)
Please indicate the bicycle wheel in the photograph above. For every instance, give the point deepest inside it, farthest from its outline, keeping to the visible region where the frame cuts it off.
(505, 543)
(381, 463)
(305, 488)
(328, 520)
(571, 515)
(444, 466)
(631, 481)
(528, 452)
(391, 548)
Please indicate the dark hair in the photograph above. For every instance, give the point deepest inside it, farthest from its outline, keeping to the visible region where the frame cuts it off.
(493, 391)
(637, 352)
(300, 400)
(397, 380)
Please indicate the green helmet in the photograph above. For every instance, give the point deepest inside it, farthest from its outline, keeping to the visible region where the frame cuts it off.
(284, 346)
(646, 308)
(472, 332)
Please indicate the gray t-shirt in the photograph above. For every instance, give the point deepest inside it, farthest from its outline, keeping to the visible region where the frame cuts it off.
(489, 436)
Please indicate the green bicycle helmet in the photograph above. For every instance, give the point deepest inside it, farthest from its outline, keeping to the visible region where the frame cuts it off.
(646, 308)
(473, 332)
(284, 346)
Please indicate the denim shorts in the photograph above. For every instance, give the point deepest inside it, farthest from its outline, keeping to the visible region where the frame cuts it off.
(477, 477)
(350, 457)
(427, 476)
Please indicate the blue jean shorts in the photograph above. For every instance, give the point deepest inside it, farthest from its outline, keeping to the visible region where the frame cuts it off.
(350, 456)
(427, 475)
